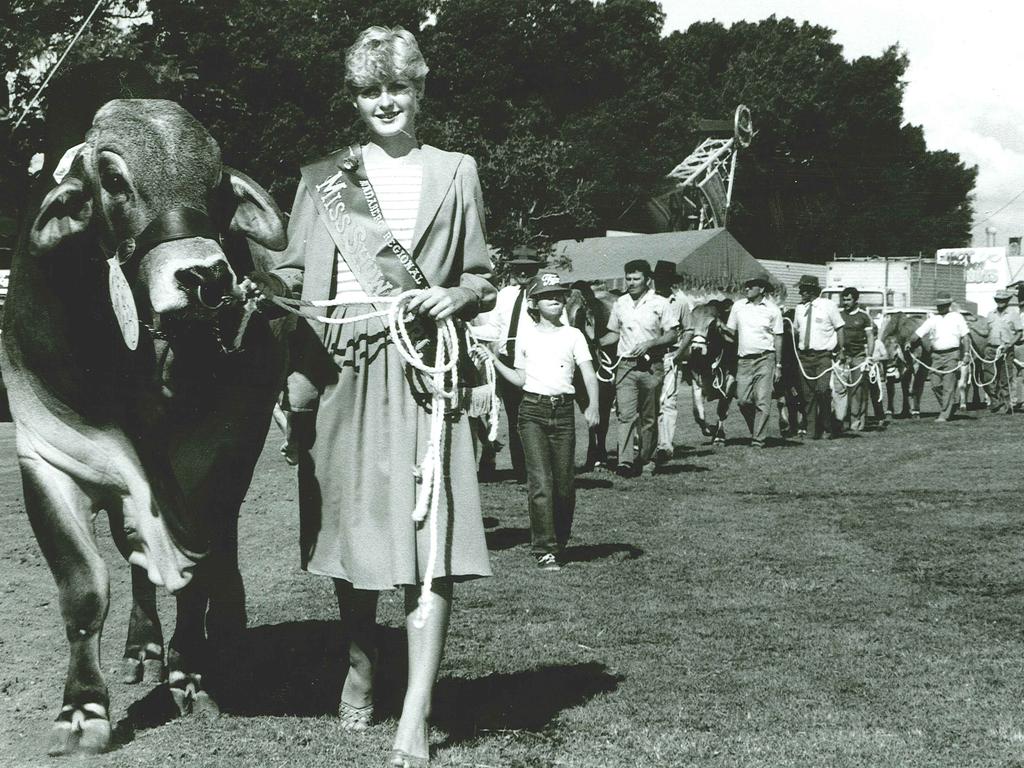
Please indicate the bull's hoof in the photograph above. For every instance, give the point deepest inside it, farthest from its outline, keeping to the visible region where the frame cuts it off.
(147, 667)
(189, 696)
(81, 730)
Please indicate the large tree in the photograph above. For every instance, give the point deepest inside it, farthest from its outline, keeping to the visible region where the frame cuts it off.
(574, 109)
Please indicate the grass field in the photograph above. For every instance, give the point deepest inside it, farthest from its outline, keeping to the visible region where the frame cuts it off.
(856, 602)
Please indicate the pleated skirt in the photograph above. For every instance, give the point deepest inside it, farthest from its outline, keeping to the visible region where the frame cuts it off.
(359, 486)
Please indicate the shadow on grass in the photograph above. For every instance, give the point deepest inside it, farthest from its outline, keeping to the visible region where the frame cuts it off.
(497, 476)
(295, 669)
(506, 538)
(519, 701)
(589, 552)
(586, 483)
(679, 469)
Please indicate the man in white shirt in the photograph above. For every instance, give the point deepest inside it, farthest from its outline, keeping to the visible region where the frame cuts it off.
(504, 323)
(665, 278)
(1004, 334)
(818, 330)
(645, 328)
(949, 336)
(756, 325)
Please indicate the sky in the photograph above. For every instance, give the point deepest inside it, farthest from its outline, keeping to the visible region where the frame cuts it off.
(965, 83)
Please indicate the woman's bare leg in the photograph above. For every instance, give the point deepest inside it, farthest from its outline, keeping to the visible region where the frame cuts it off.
(358, 611)
(426, 647)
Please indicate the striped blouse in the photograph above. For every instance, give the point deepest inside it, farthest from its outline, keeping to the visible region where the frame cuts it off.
(397, 183)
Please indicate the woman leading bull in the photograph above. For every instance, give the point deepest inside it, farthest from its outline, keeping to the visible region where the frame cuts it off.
(373, 220)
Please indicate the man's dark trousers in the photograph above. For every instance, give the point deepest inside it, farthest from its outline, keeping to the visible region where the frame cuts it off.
(816, 390)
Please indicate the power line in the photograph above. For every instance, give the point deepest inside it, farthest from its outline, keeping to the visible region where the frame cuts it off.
(1003, 208)
(60, 61)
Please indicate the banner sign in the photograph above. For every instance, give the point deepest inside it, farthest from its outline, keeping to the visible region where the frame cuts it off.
(981, 265)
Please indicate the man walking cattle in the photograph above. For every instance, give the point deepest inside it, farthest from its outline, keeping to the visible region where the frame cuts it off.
(643, 323)
(851, 390)
(949, 336)
(819, 333)
(756, 325)
(1004, 333)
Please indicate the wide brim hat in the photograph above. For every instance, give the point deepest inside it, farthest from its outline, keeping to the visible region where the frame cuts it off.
(808, 281)
(763, 282)
(1003, 295)
(665, 270)
(547, 284)
(943, 297)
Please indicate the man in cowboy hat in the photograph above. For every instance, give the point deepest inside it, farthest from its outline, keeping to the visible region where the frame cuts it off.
(1004, 333)
(756, 325)
(665, 283)
(818, 332)
(949, 336)
(504, 324)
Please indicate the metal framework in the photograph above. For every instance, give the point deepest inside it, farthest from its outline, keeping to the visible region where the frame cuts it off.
(704, 179)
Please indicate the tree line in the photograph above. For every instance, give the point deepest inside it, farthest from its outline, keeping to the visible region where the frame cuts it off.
(575, 110)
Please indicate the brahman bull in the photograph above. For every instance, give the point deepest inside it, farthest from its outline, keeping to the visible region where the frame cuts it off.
(708, 364)
(123, 298)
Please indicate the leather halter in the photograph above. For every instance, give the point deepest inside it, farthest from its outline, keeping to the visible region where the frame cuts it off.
(175, 224)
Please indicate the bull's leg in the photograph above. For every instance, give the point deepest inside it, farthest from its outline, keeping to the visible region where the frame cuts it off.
(597, 438)
(698, 407)
(60, 515)
(144, 649)
(917, 390)
(187, 659)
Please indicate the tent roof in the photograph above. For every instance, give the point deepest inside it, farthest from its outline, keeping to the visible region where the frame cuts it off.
(704, 258)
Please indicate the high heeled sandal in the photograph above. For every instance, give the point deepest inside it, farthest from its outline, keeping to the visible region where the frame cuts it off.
(354, 718)
(401, 759)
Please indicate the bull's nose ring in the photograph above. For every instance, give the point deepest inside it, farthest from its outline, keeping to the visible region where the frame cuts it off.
(220, 299)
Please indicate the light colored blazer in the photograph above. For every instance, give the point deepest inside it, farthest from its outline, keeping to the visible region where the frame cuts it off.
(449, 242)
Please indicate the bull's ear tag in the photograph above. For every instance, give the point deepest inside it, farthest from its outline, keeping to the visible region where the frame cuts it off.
(123, 302)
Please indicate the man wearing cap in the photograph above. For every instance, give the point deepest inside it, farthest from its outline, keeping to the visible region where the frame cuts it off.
(504, 323)
(644, 326)
(665, 284)
(949, 336)
(1004, 334)
(756, 325)
(859, 337)
(818, 331)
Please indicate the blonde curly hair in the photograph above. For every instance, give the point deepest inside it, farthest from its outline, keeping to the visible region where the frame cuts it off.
(384, 55)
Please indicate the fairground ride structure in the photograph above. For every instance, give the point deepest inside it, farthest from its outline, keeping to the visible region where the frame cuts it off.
(704, 180)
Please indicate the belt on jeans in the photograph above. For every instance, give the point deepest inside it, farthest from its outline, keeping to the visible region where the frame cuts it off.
(940, 351)
(532, 397)
(757, 354)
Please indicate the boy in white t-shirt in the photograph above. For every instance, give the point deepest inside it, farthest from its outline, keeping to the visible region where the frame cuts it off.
(546, 358)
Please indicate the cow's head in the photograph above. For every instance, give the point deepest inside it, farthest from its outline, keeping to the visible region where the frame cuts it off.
(150, 185)
(706, 341)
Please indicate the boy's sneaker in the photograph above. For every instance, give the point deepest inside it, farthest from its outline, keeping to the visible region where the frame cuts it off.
(548, 562)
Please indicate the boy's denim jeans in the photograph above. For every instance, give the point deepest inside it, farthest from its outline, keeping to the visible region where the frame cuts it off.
(547, 427)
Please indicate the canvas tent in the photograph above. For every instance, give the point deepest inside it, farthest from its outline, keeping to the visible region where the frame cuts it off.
(706, 259)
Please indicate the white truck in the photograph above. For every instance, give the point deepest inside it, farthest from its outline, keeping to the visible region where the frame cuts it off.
(895, 283)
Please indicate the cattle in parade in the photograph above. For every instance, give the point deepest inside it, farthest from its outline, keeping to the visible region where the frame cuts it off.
(708, 364)
(141, 384)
